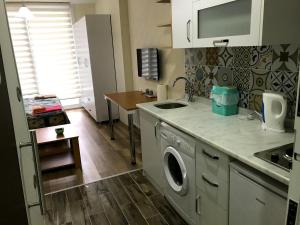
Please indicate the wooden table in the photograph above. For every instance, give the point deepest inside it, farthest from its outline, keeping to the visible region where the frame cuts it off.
(127, 101)
(71, 157)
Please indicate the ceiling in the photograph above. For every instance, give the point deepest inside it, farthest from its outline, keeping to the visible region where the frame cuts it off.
(71, 1)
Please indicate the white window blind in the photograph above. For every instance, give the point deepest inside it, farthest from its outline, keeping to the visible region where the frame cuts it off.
(45, 50)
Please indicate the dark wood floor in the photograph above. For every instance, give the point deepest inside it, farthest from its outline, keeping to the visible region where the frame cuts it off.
(126, 199)
(100, 156)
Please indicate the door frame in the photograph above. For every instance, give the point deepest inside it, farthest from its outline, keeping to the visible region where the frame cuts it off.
(22, 134)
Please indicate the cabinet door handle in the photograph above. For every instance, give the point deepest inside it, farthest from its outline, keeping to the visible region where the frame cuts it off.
(260, 201)
(198, 205)
(163, 135)
(188, 30)
(210, 182)
(37, 178)
(214, 157)
(19, 94)
(219, 43)
(155, 129)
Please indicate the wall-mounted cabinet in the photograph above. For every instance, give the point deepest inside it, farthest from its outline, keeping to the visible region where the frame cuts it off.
(182, 23)
(214, 23)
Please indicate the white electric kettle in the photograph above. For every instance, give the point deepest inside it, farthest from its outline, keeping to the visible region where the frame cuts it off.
(274, 111)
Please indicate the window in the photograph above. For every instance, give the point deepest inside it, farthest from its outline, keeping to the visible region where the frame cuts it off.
(45, 50)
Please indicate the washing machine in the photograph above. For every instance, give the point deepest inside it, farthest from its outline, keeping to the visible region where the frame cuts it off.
(178, 158)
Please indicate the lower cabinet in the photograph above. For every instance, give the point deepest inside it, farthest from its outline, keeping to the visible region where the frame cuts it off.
(151, 154)
(256, 199)
(212, 181)
(208, 211)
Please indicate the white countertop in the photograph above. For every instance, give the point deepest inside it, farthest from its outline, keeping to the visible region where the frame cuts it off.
(233, 135)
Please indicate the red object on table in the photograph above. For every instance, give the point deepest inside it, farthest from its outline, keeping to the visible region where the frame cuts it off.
(49, 109)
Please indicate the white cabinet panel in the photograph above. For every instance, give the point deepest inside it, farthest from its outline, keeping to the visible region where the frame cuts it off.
(211, 162)
(219, 23)
(252, 203)
(216, 191)
(209, 213)
(212, 181)
(182, 23)
(231, 23)
(151, 153)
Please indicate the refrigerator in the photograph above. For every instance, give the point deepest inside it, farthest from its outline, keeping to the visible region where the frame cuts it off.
(21, 186)
(293, 210)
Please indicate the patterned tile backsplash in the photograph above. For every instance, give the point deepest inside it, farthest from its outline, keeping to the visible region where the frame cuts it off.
(251, 69)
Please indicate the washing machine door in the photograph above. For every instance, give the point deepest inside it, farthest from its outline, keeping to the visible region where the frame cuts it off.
(175, 170)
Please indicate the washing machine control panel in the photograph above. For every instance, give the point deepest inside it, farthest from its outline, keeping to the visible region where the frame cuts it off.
(180, 142)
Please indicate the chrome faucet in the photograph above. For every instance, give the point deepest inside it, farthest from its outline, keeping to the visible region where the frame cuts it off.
(190, 87)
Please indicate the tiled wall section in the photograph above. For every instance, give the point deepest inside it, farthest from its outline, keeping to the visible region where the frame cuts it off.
(251, 69)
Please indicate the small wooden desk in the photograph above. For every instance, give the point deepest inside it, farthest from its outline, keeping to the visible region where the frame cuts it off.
(128, 101)
(48, 135)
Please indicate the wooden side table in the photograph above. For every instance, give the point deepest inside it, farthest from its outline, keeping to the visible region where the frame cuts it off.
(66, 157)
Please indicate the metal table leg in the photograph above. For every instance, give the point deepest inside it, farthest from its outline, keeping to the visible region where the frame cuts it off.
(131, 137)
(111, 122)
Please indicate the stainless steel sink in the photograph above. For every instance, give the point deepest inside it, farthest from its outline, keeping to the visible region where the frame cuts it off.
(170, 105)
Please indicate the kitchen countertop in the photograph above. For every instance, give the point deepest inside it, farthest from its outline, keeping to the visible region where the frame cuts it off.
(234, 135)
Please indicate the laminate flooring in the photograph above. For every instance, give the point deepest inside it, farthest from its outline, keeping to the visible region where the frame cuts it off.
(100, 156)
(125, 199)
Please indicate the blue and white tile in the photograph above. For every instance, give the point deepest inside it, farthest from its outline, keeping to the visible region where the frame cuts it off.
(261, 57)
(244, 99)
(285, 58)
(255, 100)
(284, 82)
(241, 78)
(242, 57)
(195, 56)
(212, 56)
(224, 76)
(225, 56)
(210, 79)
(259, 80)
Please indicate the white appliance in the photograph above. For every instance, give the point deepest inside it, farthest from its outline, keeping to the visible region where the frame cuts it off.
(95, 53)
(255, 199)
(22, 194)
(274, 111)
(293, 212)
(178, 155)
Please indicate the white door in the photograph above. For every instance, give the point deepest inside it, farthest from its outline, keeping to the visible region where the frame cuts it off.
(182, 23)
(220, 23)
(28, 167)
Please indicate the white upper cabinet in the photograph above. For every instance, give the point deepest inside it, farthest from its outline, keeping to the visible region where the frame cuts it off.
(226, 22)
(217, 23)
(182, 23)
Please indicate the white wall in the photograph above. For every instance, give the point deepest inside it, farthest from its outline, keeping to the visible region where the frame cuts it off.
(144, 17)
(80, 10)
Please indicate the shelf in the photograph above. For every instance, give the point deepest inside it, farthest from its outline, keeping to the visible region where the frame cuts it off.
(57, 161)
(167, 47)
(165, 25)
(164, 1)
(53, 148)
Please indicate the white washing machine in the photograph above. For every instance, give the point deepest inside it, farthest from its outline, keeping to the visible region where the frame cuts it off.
(178, 157)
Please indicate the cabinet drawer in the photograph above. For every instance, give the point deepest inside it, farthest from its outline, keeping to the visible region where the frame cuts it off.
(214, 190)
(212, 162)
(209, 213)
